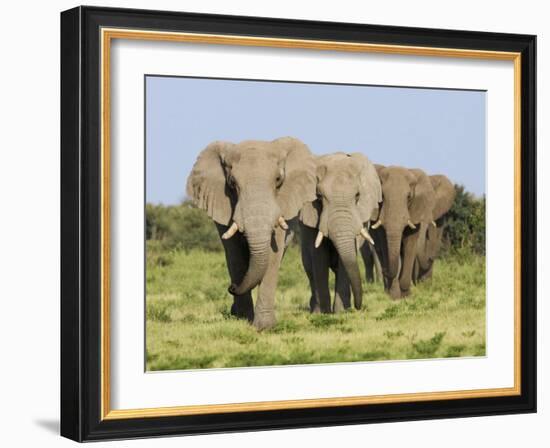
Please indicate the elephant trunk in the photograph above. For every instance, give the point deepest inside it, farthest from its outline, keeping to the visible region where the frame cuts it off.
(258, 230)
(344, 242)
(257, 265)
(393, 237)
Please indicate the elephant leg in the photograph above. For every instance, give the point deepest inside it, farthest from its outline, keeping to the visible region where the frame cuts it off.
(321, 264)
(313, 303)
(379, 251)
(395, 289)
(387, 283)
(435, 236)
(264, 313)
(377, 267)
(427, 274)
(430, 272)
(236, 257)
(409, 255)
(416, 275)
(342, 295)
(314, 306)
(368, 261)
(307, 263)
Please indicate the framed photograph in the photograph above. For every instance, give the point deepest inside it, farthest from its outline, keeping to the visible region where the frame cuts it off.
(274, 223)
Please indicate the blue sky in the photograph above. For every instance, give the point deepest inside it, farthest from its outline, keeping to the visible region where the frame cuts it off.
(439, 131)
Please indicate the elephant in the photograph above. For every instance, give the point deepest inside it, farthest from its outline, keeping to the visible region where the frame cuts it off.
(348, 197)
(408, 200)
(251, 190)
(429, 244)
(373, 268)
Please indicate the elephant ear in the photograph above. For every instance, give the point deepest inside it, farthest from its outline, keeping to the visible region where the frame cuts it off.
(299, 185)
(382, 173)
(370, 190)
(423, 197)
(444, 195)
(310, 214)
(206, 184)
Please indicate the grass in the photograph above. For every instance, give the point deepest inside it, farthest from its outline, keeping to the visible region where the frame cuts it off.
(189, 325)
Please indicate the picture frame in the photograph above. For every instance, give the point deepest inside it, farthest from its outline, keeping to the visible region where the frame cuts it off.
(86, 175)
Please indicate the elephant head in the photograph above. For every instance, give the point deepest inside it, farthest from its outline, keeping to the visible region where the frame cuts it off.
(253, 187)
(428, 247)
(408, 199)
(348, 194)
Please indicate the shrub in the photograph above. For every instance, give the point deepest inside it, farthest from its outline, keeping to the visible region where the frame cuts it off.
(465, 223)
(428, 347)
(454, 351)
(181, 227)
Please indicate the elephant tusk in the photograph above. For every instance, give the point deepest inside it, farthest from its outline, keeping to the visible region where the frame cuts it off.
(434, 224)
(319, 239)
(282, 223)
(231, 231)
(410, 224)
(365, 234)
(377, 224)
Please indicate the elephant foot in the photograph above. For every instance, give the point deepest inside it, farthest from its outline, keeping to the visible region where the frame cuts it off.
(338, 309)
(338, 306)
(314, 305)
(405, 293)
(395, 291)
(425, 276)
(243, 310)
(264, 320)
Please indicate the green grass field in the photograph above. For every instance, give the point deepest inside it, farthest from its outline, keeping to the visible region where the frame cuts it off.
(189, 325)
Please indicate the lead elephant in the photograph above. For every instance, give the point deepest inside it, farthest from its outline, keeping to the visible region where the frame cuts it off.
(408, 201)
(348, 194)
(251, 190)
(429, 243)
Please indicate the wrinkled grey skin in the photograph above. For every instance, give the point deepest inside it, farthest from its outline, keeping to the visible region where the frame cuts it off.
(348, 194)
(408, 201)
(428, 247)
(246, 189)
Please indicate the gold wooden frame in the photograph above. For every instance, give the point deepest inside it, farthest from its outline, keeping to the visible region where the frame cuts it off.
(107, 35)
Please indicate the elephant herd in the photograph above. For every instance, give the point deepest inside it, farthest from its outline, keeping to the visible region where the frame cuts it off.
(343, 204)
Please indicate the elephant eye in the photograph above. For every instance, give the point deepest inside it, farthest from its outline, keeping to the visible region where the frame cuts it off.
(280, 178)
(357, 196)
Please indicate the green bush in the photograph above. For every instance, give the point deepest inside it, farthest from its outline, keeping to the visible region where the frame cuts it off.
(181, 227)
(465, 224)
(428, 347)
